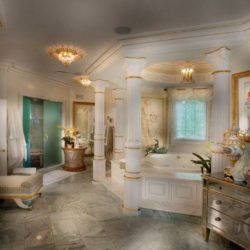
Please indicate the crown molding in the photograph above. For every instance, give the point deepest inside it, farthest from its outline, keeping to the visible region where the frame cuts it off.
(232, 32)
(11, 66)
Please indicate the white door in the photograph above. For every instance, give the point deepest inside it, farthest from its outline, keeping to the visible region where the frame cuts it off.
(3, 137)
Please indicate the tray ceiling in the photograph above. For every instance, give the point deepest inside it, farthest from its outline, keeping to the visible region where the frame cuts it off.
(31, 26)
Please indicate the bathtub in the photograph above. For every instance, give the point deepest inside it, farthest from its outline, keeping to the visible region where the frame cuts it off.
(173, 162)
(170, 182)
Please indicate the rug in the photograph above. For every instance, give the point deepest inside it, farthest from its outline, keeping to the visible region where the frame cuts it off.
(55, 176)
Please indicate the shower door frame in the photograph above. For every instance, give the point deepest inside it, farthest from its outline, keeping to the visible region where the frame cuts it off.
(64, 117)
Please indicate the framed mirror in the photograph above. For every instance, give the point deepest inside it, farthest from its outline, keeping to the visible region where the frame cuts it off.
(83, 122)
(241, 100)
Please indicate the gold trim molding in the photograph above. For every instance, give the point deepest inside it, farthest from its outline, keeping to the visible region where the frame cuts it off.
(235, 98)
(131, 77)
(132, 177)
(221, 71)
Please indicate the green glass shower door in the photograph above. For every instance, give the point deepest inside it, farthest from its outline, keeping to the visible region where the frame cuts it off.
(52, 118)
(26, 128)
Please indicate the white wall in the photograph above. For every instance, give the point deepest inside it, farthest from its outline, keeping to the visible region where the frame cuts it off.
(15, 83)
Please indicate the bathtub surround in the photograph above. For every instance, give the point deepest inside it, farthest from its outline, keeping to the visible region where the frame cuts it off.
(132, 177)
(99, 168)
(119, 136)
(169, 182)
(220, 120)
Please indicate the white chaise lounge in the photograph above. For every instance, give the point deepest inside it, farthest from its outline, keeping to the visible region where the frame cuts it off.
(23, 184)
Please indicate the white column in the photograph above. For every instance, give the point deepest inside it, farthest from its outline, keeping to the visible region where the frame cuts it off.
(132, 177)
(119, 123)
(220, 116)
(99, 162)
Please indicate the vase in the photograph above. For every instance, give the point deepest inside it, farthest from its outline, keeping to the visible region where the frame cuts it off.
(69, 145)
(238, 170)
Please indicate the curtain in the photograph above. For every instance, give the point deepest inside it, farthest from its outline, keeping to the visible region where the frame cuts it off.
(202, 94)
(16, 141)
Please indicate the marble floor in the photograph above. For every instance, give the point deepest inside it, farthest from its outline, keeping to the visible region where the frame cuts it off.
(78, 214)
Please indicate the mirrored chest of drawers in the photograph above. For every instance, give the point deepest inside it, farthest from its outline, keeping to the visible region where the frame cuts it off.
(226, 209)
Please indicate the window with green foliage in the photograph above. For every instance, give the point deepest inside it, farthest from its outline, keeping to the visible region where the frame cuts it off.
(190, 119)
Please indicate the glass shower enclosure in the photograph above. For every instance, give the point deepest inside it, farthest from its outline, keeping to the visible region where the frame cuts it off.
(41, 119)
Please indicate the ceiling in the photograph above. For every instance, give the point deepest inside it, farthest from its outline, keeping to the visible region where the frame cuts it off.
(29, 26)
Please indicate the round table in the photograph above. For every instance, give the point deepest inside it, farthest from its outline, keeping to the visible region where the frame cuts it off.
(74, 159)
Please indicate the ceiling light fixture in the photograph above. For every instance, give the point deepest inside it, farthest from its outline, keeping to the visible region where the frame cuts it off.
(84, 80)
(66, 54)
(187, 73)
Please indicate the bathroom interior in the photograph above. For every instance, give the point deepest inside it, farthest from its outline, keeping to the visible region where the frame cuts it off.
(158, 113)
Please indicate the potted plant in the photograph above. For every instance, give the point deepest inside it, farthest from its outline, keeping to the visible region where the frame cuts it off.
(204, 163)
(70, 135)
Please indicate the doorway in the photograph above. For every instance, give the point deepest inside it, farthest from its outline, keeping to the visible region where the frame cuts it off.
(41, 119)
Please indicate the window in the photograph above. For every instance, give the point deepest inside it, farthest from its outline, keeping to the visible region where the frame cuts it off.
(190, 119)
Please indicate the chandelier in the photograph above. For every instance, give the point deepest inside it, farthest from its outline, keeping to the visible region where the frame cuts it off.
(84, 80)
(66, 54)
(187, 72)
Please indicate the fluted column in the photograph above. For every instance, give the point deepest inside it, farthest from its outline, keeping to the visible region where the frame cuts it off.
(220, 116)
(132, 177)
(119, 123)
(99, 162)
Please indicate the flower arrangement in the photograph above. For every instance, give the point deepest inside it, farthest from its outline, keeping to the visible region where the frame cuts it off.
(70, 135)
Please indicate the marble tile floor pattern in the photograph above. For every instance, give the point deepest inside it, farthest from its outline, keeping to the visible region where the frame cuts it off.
(78, 214)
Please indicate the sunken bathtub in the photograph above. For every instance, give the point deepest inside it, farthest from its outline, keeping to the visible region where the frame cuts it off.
(170, 182)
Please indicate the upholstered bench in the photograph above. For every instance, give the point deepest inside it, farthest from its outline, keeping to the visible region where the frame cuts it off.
(24, 184)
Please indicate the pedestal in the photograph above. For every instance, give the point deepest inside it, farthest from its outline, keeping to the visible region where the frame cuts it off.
(74, 159)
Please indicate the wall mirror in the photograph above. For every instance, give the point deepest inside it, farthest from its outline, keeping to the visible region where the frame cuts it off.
(83, 121)
(241, 100)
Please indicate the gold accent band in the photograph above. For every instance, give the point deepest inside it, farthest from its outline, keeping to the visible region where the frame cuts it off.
(118, 98)
(99, 92)
(132, 178)
(131, 77)
(132, 172)
(25, 196)
(221, 71)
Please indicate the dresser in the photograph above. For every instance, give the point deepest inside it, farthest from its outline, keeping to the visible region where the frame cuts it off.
(226, 209)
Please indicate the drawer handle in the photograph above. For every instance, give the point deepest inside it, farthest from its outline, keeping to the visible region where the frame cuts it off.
(218, 219)
(218, 202)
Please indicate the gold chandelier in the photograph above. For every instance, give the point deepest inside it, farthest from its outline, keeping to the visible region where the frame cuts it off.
(84, 80)
(187, 74)
(66, 54)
